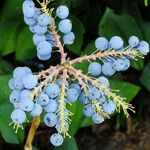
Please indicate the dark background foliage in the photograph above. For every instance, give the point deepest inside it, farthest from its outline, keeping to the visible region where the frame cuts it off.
(91, 18)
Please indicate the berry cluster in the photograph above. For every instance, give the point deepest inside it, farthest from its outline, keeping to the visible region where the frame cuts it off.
(50, 92)
(114, 64)
(39, 23)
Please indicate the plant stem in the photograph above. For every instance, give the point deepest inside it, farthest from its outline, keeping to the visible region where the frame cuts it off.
(59, 44)
(33, 129)
(105, 54)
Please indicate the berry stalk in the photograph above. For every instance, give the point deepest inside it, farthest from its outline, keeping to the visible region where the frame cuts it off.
(110, 53)
(33, 129)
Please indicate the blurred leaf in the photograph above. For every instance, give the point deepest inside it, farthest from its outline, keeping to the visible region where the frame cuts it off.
(7, 131)
(123, 25)
(90, 48)
(146, 2)
(126, 89)
(86, 122)
(79, 31)
(69, 144)
(4, 90)
(138, 65)
(8, 37)
(10, 9)
(145, 78)
(5, 67)
(25, 48)
(77, 110)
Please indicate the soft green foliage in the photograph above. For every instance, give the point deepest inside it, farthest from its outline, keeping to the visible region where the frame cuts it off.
(16, 45)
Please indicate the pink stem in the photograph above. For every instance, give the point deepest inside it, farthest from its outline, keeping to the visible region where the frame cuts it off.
(59, 44)
(100, 55)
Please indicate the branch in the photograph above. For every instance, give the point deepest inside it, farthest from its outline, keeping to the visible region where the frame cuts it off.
(119, 101)
(110, 53)
(59, 44)
(62, 108)
(33, 129)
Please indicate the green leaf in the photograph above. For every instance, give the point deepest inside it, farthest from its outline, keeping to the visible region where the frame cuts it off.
(4, 90)
(8, 37)
(90, 48)
(138, 65)
(145, 77)
(123, 25)
(69, 144)
(25, 48)
(5, 67)
(77, 110)
(7, 131)
(126, 89)
(86, 122)
(79, 31)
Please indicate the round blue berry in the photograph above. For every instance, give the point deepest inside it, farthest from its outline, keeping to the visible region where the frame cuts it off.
(65, 26)
(62, 12)
(50, 119)
(15, 96)
(36, 111)
(88, 110)
(103, 81)
(144, 48)
(69, 38)
(38, 39)
(43, 20)
(56, 139)
(51, 107)
(95, 69)
(72, 95)
(116, 43)
(97, 118)
(94, 93)
(133, 41)
(43, 99)
(109, 107)
(101, 43)
(107, 69)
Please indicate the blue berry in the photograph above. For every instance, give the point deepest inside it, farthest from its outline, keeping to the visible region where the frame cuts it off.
(18, 84)
(133, 41)
(58, 126)
(69, 38)
(44, 48)
(28, 70)
(44, 57)
(26, 105)
(119, 65)
(36, 111)
(88, 110)
(65, 26)
(72, 95)
(38, 38)
(11, 84)
(56, 139)
(95, 69)
(28, 8)
(116, 43)
(103, 80)
(101, 43)
(40, 29)
(51, 107)
(62, 12)
(144, 48)
(102, 100)
(52, 90)
(94, 93)
(109, 107)
(50, 119)
(107, 69)
(97, 118)
(15, 96)
(30, 81)
(19, 72)
(127, 64)
(82, 98)
(43, 20)
(18, 116)
(30, 21)
(75, 86)
(25, 94)
(43, 99)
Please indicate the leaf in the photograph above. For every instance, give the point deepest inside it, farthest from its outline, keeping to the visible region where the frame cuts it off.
(5, 67)
(25, 48)
(126, 89)
(79, 31)
(90, 48)
(123, 25)
(4, 90)
(86, 122)
(69, 144)
(7, 131)
(77, 110)
(145, 77)
(8, 37)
